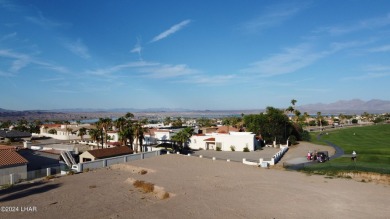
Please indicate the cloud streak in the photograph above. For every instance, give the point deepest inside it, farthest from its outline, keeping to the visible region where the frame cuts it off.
(289, 61)
(78, 48)
(43, 21)
(384, 48)
(295, 58)
(371, 23)
(137, 48)
(168, 71)
(171, 31)
(273, 16)
(117, 68)
(20, 61)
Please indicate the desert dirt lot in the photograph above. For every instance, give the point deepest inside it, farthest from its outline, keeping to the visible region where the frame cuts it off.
(198, 188)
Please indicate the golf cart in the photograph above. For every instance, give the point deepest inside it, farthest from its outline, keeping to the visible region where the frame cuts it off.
(322, 156)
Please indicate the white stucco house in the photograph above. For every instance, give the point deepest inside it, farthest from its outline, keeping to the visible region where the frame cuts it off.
(64, 131)
(210, 141)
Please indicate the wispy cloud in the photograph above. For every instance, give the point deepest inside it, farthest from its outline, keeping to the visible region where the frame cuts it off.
(209, 80)
(8, 36)
(368, 76)
(78, 48)
(273, 16)
(9, 5)
(296, 58)
(384, 48)
(6, 74)
(51, 79)
(371, 72)
(168, 71)
(371, 23)
(111, 70)
(289, 61)
(137, 48)
(43, 21)
(20, 61)
(171, 30)
(377, 68)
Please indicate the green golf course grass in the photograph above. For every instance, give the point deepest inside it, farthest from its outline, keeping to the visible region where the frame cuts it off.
(371, 143)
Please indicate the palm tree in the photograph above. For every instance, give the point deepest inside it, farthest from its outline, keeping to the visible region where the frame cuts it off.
(183, 136)
(167, 120)
(293, 102)
(305, 116)
(52, 131)
(319, 119)
(82, 132)
(297, 115)
(129, 116)
(95, 135)
(105, 124)
(139, 135)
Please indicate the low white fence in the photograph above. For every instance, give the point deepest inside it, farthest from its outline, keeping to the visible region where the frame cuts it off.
(262, 163)
(80, 167)
(30, 175)
(90, 165)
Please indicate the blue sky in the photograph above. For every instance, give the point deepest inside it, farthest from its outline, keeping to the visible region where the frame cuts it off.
(199, 55)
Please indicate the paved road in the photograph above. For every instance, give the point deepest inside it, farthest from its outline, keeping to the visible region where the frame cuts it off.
(237, 156)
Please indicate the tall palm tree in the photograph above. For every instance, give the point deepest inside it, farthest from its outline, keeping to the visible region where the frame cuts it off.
(293, 102)
(319, 119)
(305, 116)
(82, 132)
(105, 124)
(167, 120)
(139, 135)
(95, 135)
(183, 136)
(297, 115)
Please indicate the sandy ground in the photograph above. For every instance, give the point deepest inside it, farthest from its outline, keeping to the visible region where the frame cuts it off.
(198, 188)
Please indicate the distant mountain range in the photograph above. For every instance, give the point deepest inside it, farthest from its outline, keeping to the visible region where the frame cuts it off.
(355, 106)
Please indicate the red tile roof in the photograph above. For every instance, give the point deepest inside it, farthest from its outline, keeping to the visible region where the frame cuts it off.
(209, 139)
(225, 129)
(6, 147)
(110, 152)
(9, 157)
(51, 125)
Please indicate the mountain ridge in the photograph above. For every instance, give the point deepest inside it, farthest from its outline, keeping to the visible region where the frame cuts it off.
(340, 106)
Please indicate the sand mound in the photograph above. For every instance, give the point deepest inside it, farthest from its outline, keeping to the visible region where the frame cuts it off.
(158, 191)
(130, 168)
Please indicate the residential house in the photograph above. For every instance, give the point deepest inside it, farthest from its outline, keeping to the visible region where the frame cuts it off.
(11, 162)
(92, 155)
(14, 135)
(65, 131)
(225, 141)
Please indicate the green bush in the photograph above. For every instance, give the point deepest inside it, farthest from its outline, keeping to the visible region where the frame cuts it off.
(232, 148)
(50, 177)
(218, 148)
(246, 149)
(6, 186)
(305, 136)
(292, 139)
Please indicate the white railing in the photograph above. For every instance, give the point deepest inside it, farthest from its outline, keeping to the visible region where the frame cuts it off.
(80, 167)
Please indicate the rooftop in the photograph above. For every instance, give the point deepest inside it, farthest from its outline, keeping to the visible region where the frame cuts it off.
(9, 157)
(110, 152)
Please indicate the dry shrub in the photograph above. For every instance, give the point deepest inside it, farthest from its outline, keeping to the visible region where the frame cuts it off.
(143, 172)
(92, 186)
(144, 186)
(165, 196)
